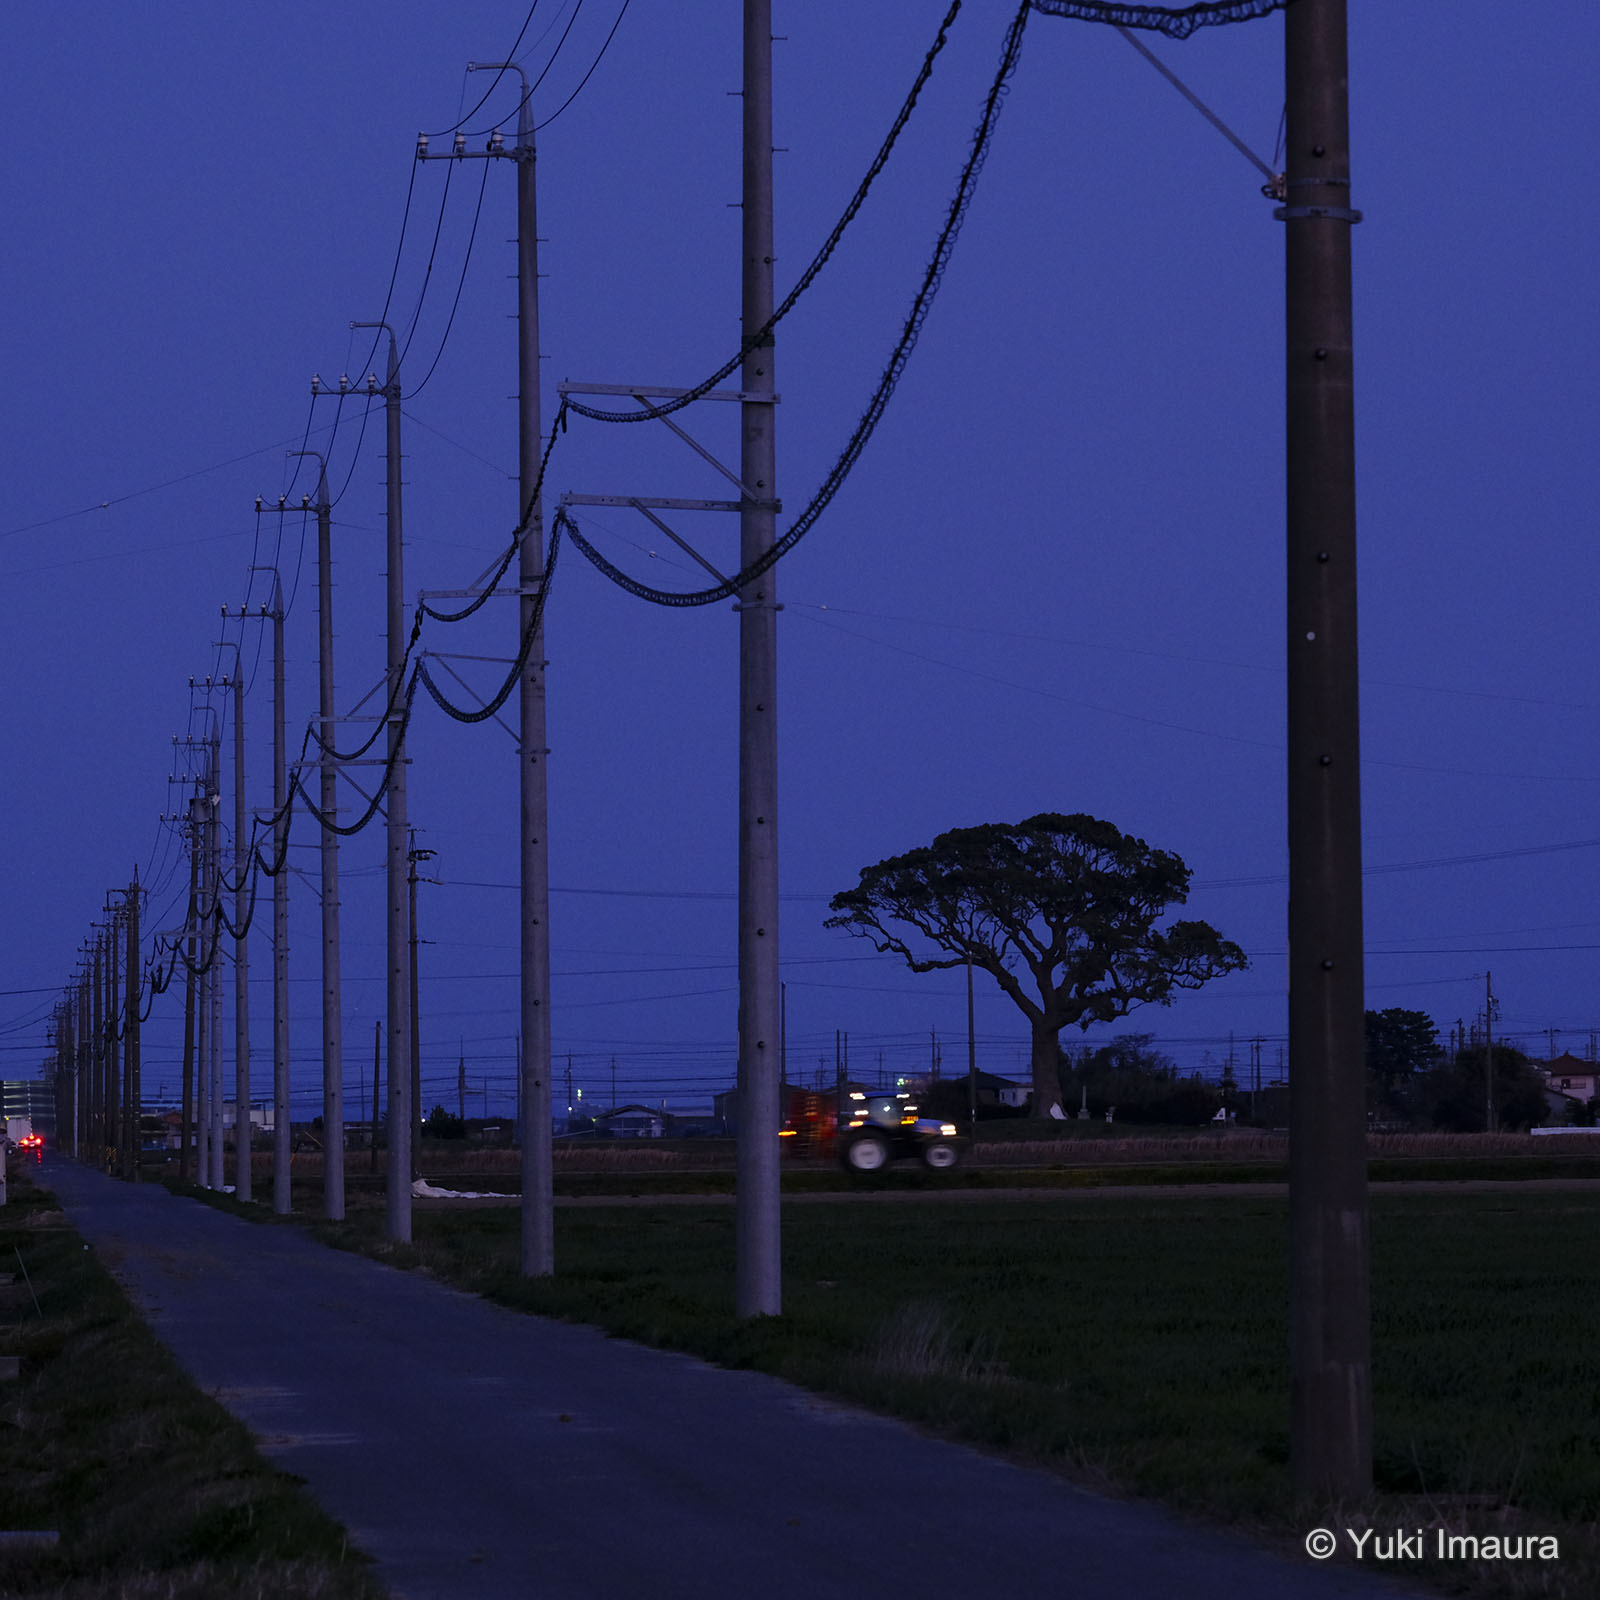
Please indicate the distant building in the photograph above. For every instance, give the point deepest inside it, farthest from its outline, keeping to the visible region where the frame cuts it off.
(998, 1091)
(262, 1115)
(631, 1122)
(1571, 1076)
(34, 1098)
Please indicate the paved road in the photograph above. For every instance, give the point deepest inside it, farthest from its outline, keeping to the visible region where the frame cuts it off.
(479, 1454)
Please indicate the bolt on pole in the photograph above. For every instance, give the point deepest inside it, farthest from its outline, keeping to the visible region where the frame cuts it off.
(1330, 1307)
(758, 1287)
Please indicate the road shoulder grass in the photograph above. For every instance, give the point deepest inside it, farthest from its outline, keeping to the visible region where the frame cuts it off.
(154, 1491)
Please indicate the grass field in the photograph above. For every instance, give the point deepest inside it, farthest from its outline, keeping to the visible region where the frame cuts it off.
(156, 1493)
(1136, 1343)
(1087, 1156)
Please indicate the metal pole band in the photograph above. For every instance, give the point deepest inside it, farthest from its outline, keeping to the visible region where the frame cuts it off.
(1297, 213)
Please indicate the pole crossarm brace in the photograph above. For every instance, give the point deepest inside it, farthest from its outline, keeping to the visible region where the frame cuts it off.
(701, 451)
(683, 544)
(444, 661)
(638, 502)
(476, 594)
(636, 391)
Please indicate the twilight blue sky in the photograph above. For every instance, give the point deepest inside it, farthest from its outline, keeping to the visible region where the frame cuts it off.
(1055, 581)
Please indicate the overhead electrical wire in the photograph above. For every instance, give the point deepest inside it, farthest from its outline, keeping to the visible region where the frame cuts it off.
(539, 128)
(1177, 22)
(1174, 22)
(555, 55)
(818, 261)
(921, 304)
(511, 55)
(427, 271)
(455, 304)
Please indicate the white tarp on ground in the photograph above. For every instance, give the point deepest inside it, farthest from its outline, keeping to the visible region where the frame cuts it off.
(423, 1190)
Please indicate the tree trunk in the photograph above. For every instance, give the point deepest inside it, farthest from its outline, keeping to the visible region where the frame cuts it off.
(1046, 1068)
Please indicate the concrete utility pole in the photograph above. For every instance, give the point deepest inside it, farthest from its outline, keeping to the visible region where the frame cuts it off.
(241, 950)
(214, 898)
(377, 1060)
(758, 1270)
(538, 1161)
(328, 804)
(282, 1148)
(80, 1060)
(972, 1063)
(193, 1134)
(135, 1094)
(413, 856)
(69, 1118)
(1330, 1306)
(89, 1054)
(114, 1095)
(533, 1081)
(398, 1220)
(1488, 1054)
(98, 1060)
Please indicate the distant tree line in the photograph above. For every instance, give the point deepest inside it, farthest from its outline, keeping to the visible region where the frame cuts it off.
(1412, 1082)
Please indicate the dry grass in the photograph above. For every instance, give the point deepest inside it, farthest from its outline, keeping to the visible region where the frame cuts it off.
(919, 1341)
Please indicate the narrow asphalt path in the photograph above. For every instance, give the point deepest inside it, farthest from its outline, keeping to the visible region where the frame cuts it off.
(480, 1454)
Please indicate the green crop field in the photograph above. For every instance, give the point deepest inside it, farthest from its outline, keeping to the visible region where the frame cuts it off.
(1136, 1343)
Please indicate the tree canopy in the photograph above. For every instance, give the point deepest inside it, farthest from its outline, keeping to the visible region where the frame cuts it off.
(1061, 911)
(1400, 1044)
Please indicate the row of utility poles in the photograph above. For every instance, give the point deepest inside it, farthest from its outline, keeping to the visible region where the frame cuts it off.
(95, 1032)
(1330, 1318)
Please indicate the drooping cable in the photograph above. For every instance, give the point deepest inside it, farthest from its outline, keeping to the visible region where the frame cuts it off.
(518, 534)
(1177, 22)
(818, 261)
(529, 633)
(982, 137)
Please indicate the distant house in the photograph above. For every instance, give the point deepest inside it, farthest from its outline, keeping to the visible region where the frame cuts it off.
(1571, 1076)
(262, 1115)
(997, 1091)
(631, 1122)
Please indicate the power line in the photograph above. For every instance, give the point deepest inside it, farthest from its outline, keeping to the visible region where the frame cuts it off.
(589, 74)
